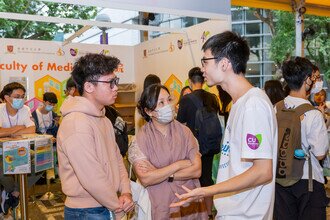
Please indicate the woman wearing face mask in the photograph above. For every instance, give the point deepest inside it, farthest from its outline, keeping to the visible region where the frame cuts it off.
(317, 81)
(165, 156)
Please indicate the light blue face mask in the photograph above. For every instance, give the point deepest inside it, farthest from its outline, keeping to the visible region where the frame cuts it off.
(17, 103)
(49, 108)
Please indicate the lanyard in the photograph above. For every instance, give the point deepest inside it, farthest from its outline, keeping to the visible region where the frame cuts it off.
(10, 120)
(43, 121)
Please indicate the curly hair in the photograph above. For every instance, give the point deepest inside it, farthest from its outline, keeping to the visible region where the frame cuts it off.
(92, 67)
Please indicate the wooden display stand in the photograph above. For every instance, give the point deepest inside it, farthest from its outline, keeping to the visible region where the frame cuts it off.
(125, 103)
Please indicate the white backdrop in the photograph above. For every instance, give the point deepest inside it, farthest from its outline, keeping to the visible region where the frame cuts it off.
(162, 56)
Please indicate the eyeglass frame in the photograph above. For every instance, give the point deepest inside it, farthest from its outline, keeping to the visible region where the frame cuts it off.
(209, 58)
(112, 82)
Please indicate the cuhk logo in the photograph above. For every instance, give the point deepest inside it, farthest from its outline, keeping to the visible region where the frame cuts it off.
(253, 141)
(10, 48)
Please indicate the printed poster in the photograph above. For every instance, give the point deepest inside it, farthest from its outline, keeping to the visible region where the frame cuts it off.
(43, 154)
(16, 157)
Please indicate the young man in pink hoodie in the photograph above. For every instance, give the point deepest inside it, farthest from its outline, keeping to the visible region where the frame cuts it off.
(91, 169)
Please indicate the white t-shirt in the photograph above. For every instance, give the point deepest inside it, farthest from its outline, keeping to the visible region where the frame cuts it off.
(45, 120)
(314, 134)
(251, 133)
(23, 117)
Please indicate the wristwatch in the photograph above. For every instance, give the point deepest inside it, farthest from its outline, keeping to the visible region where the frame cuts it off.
(170, 178)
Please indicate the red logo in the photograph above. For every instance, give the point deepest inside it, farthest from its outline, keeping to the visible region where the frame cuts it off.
(10, 48)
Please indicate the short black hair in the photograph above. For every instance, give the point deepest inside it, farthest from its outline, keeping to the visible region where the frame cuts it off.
(10, 87)
(295, 71)
(150, 80)
(92, 67)
(149, 98)
(196, 75)
(70, 84)
(50, 97)
(231, 46)
(274, 91)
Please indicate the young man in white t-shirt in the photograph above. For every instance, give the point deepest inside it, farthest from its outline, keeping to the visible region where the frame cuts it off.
(15, 119)
(245, 182)
(296, 202)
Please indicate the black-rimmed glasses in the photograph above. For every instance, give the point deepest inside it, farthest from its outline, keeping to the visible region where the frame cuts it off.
(204, 59)
(113, 82)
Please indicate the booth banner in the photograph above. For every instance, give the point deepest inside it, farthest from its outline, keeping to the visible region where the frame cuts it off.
(172, 56)
(44, 159)
(16, 157)
(43, 66)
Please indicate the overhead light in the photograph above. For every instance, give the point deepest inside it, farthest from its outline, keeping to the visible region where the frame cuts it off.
(103, 18)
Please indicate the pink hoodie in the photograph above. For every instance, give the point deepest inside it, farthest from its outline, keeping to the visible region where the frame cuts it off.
(91, 168)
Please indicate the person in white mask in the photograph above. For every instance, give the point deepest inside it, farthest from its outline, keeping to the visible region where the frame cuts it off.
(165, 156)
(46, 120)
(317, 80)
(15, 120)
(15, 117)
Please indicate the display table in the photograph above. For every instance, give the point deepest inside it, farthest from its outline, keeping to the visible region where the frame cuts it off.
(23, 155)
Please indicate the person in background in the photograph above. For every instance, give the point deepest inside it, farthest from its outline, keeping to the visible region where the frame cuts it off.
(71, 88)
(165, 156)
(246, 177)
(320, 99)
(46, 120)
(120, 128)
(15, 117)
(274, 91)
(184, 91)
(148, 81)
(15, 120)
(296, 201)
(225, 102)
(93, 176)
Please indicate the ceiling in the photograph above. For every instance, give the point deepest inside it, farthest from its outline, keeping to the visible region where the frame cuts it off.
(313, 7)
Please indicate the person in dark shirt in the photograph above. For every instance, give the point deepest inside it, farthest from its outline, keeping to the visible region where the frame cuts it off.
(186, 114)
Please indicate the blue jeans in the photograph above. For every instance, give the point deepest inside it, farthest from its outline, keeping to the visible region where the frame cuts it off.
(98, 213)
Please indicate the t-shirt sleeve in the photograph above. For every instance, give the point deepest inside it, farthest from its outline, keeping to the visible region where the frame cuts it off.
(257, 136)
(27, 117)
(134, 152)
(317, 135)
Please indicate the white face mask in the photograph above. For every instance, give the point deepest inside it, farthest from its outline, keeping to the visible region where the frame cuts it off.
(165, 114)
(317, 87)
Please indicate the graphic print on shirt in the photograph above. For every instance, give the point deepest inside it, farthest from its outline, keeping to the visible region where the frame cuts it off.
(224, 159)
(253, 141)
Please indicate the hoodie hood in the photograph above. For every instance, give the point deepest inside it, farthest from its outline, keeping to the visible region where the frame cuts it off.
(80, 104)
